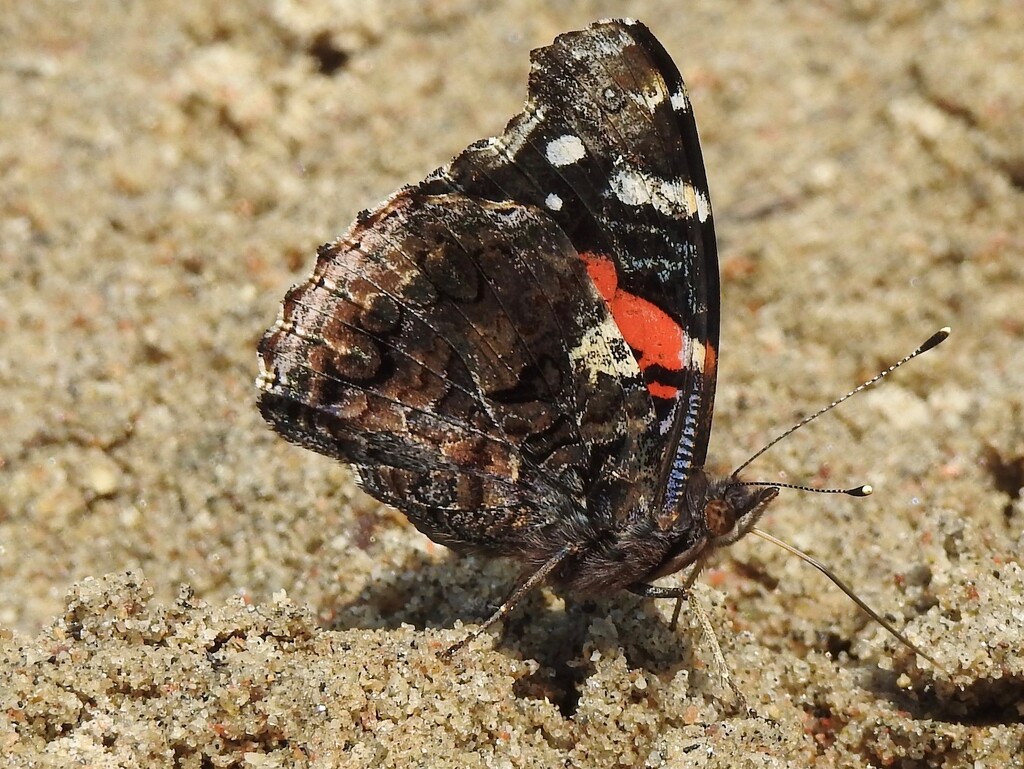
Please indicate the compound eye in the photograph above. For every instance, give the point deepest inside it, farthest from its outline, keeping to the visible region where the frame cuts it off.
(719, 517)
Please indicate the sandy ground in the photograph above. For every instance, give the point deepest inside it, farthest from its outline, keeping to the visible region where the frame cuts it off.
(182, 588)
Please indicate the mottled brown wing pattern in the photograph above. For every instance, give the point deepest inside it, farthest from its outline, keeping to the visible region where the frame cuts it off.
(452, 350)
(519, 352)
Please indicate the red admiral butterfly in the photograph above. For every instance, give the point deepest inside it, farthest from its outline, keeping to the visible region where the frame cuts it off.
(520, 351)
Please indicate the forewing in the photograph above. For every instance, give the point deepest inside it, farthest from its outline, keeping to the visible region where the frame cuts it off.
(607, 147)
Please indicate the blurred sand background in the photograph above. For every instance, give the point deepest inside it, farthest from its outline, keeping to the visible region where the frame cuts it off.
(182, 588)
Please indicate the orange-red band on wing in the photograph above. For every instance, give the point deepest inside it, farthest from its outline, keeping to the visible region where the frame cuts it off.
(646, 327)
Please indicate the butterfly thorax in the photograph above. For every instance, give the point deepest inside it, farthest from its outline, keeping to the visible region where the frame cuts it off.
(712, 512)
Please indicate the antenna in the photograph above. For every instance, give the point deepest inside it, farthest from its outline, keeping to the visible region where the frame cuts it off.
(857, 491)
(846, 588)
(933, 341)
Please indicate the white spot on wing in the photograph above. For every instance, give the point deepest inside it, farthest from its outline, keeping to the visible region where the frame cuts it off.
(630, 189)
(565, 150)
(703, 206)
(668, 197)
(553, 202)
(266, 377)
(649, 98)
(681, 102)
(598, 353)
(698, 355)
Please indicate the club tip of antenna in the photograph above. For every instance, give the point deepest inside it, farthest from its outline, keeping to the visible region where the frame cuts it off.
(936, 339)
(861, 491)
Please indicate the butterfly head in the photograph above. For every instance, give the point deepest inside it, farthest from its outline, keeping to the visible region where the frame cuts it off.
(731, 508)
(713, 512)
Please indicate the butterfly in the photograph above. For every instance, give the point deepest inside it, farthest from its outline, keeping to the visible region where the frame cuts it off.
(520, 351)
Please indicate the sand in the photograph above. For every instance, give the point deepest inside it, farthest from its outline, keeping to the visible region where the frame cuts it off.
(183, 588)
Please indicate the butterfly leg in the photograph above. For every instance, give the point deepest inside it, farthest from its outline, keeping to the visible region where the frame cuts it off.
(653, 591)
(679, 593)
(524, 587)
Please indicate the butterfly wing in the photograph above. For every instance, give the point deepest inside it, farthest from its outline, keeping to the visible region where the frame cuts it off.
(525, 341)
(607, 147)
(433, 348)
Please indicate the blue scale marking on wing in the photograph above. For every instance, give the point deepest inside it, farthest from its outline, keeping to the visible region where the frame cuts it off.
(688, 438)
(680, 470)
